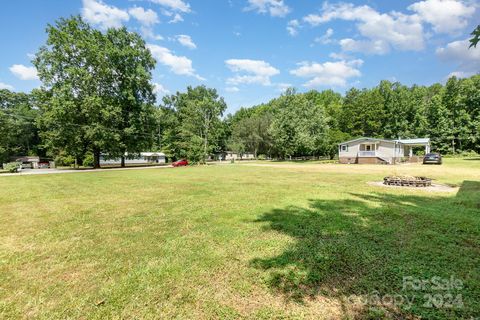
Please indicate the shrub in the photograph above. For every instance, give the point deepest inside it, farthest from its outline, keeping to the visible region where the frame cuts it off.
(88, 160)
(64, 160)
(463, 154)
(11, 166)
(469, 154)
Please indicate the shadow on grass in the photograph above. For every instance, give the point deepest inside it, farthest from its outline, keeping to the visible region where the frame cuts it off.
(367, 245)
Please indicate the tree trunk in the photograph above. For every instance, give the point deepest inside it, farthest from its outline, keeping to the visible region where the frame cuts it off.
(122, 162)
(96, 159)
(205, 144)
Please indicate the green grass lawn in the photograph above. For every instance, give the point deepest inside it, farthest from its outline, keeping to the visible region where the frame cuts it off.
(238, 241)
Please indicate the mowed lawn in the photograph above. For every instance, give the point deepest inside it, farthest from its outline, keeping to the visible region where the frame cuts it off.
(238, 241)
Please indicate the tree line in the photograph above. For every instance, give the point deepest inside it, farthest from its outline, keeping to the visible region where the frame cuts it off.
(97, 98)
(313, 123)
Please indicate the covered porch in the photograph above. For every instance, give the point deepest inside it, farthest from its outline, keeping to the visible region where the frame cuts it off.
(409, 144)
(368, 149)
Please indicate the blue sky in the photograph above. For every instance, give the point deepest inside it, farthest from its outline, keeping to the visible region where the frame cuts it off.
(251, 50)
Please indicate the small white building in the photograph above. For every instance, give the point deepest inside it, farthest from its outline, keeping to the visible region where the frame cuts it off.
(142, 158)
(366, 150)
(31, 162)
(230, 155)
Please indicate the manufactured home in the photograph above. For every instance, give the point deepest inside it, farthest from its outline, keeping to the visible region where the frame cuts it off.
(366, 150)
(230, 155)
(142, 158)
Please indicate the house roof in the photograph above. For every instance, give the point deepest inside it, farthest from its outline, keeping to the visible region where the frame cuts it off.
(366, 139)
(152, 154)
(28, 159)
(418, 141)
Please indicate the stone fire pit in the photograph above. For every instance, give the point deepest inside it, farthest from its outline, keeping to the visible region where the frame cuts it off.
(407, 181)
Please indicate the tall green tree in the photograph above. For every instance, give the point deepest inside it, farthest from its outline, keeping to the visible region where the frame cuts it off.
(97, 97)
(299, 126)
(130, 65)
(18, 132)
(251, 134)
(199, 112)
(470, 102)
(475, 37)
(363, 113)
(331, 103)
(168, 132)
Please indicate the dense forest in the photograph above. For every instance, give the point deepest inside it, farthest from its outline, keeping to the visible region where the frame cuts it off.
(97, 98)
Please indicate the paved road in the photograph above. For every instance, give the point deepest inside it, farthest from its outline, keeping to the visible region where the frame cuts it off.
(26, 172)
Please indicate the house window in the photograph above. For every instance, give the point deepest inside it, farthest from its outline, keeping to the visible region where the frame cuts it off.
(344, 147)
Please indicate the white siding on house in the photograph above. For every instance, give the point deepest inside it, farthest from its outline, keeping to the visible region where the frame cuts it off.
(366, 149)
(386, 149)
(382, 149)
(143, 158)
(232, 155)
(352, 149)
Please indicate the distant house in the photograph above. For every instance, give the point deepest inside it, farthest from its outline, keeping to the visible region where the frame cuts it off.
(373, 150)
(29, 161)
(230, 155)
(142, 158)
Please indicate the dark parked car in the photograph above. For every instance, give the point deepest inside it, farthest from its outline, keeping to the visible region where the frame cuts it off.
(432, 158)
(180, 163)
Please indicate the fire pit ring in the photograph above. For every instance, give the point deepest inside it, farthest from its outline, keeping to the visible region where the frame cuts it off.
(403, 181)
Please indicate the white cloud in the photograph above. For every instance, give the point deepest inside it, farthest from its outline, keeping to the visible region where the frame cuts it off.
(176, 18)
(467, 60)
(106, 16)
(186, 41)
(23, 72)
(292, 27)
(177, 5)
(365, 46)
(148, 32)
(329, 73)
(145, 17)
(232, 89)
(340, 56)
(397, 30)
(461, 74)
(178, 64)
(276, 8)
(326, 38)
(159, 89)
(257, 71)
(446, 16)
(6, 86)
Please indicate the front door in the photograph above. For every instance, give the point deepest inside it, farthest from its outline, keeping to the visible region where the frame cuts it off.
(367, 147)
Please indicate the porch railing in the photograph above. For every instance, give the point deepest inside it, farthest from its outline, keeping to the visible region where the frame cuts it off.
(367, 153)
